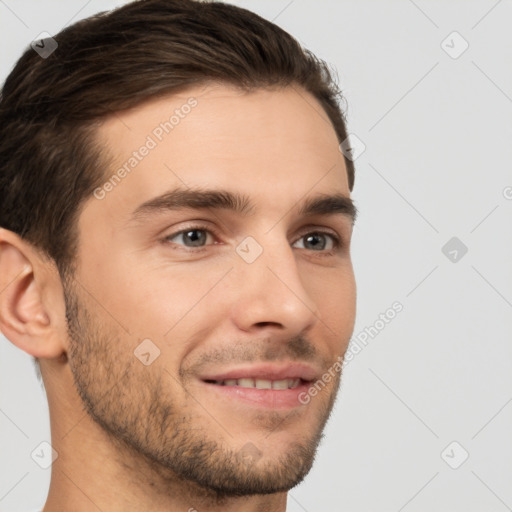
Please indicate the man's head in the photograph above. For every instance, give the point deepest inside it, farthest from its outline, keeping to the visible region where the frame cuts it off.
(51, 108)
(172, 172)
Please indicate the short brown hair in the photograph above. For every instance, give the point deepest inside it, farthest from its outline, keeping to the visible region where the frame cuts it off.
(50, 161)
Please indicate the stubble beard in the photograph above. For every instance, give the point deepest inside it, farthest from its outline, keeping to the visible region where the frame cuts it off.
(133, 406)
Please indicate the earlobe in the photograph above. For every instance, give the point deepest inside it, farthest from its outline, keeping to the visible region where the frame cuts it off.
(23, 317)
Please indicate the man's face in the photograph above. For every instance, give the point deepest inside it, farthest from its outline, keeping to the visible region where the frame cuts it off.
(184, 312)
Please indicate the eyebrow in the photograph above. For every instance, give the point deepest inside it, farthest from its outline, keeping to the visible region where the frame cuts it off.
(324, 204)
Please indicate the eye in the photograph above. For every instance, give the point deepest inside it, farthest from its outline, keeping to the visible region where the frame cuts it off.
(199, 236)
(319, 241)
(191, 237)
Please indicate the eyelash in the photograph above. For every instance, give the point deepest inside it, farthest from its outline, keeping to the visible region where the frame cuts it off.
(337, 241)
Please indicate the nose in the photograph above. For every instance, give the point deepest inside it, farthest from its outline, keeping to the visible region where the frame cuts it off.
(271, 294)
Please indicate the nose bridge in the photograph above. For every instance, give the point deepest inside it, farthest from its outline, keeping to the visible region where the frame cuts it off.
(271, 289)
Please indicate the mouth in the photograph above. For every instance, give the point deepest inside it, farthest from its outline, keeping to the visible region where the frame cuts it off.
(264, 386)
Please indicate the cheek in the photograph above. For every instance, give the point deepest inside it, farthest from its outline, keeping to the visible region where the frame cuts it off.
(334, 294)
(156, 296)
(176, 307)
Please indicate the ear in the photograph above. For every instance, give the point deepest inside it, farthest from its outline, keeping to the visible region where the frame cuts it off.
(32, 311)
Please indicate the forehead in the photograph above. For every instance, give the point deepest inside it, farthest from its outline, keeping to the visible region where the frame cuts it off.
(267, 143)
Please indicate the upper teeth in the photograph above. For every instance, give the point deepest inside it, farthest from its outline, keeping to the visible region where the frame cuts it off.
(260, 383)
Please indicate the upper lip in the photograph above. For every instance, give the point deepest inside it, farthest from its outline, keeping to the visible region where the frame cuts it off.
(266, 371)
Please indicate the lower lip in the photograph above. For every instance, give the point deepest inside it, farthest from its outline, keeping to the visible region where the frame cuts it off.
(267, 398)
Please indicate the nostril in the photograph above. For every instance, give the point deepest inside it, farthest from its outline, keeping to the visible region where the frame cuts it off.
(266, 324)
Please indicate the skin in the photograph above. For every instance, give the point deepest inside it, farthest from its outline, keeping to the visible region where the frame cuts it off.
(138, 437)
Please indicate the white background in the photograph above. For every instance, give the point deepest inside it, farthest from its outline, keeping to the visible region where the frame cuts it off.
(437, 165)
